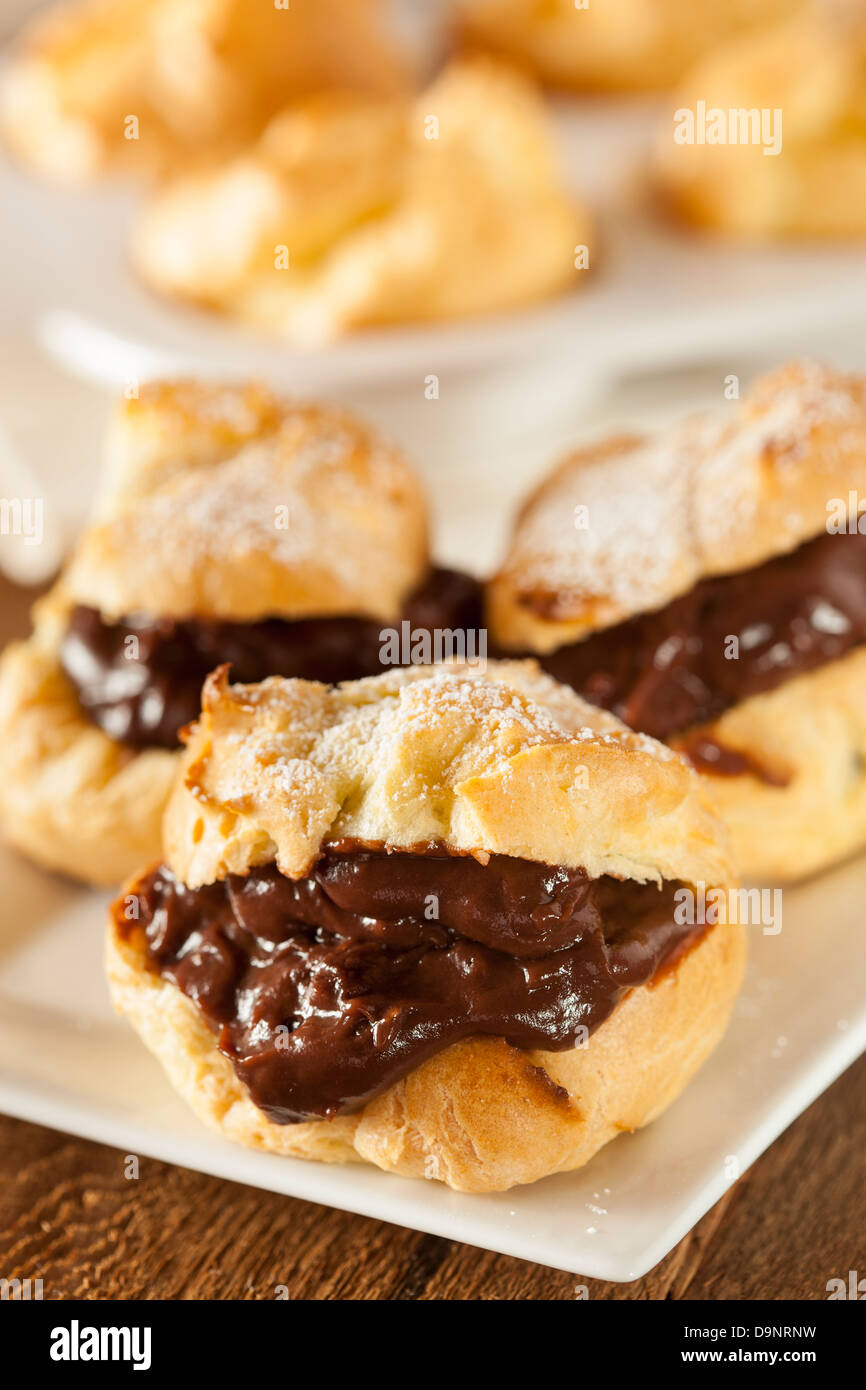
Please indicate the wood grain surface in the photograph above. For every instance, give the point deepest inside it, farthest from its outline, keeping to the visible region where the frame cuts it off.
(70, 1216)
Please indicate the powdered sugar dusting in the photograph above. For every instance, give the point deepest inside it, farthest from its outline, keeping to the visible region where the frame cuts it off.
(424, 754)
(621, 545)
(630, 528)
(240, 411)
(318, 495)
(294, 727)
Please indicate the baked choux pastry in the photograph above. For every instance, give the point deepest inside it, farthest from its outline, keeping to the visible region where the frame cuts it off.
(233, 527)
(608, 45)
(144, 85)
(708, 584)
(434, 920)
(767, 135)
(351, 211)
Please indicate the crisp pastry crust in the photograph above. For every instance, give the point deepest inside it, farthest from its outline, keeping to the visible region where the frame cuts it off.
(231, 503)
(809, 733)
(627, 525)
(617, 45)
(70, 797)
(189, 527)
(480, 1116)
(505, 762)
(174, 427)
(197, 76)
(350, 211)
(811, 70)
(483, 761)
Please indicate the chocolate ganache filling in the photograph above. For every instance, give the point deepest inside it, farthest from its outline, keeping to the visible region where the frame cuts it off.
(664, 671)
(143, 692)
(324, 991)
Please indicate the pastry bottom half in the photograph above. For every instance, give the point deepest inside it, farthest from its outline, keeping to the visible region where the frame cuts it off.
(810, 736)
(480, 1116)
(70, 797)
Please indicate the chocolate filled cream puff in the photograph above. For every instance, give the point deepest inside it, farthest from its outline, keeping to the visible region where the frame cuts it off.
(708, 584)
(609, 45)
(146, 85)
(232, 527)
(766, 136)
(350, 211)
(429, 920)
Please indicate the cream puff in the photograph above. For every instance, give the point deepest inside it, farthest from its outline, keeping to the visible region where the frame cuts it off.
(708, 584)
(350, 211)
(432, 920)
(609, 45)
(766, 136)
(233, 527)
(145, 85)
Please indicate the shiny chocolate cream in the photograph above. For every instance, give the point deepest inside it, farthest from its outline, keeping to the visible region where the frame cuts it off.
(662, 672)
(324, 991)
(143, 693)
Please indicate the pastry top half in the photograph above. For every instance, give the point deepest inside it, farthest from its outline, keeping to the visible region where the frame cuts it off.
(803, 171)
(350, 211)
(503, 761)
(608, 45)
(628, 525)
(196, 76)
(228, 502)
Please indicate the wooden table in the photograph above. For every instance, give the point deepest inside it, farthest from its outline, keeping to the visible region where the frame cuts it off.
(70, 1216)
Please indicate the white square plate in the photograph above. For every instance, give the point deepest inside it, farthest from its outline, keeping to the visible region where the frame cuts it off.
(68, 1062)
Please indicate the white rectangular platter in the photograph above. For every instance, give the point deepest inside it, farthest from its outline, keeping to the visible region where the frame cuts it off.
(68, 1062)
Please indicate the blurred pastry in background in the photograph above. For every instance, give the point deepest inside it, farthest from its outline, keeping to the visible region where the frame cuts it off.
(708, 585)
(145, 85)
(350, 211)
(235, 527)
(609, 45)
(767, 136)
(431, 921)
